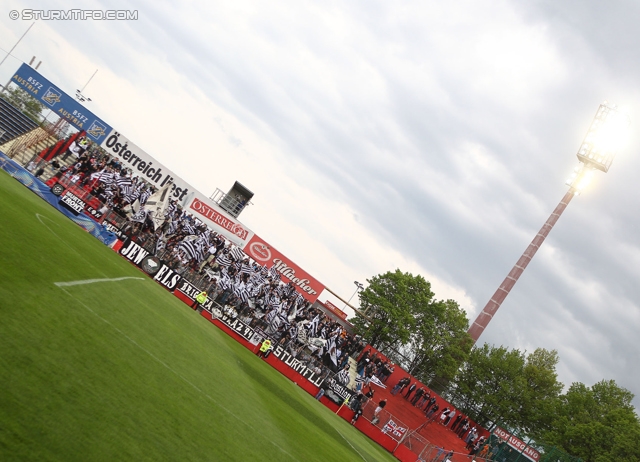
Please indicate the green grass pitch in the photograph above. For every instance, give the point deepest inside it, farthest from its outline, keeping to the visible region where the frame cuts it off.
(123, 370)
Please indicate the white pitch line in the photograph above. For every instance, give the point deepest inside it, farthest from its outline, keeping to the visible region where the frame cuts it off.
(349, 443)
(332, 426)
(160, 361)
(93, 281)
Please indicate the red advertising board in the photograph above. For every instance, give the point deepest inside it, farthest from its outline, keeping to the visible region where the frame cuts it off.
(335, 310)
(219, 222)
(518, 444)
(266, 254)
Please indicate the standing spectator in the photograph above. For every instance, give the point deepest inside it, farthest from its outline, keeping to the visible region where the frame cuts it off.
(425, 397)
(450, 416)
(369, 394)
(471, 437)
(462, 429)
(380, 407)
(475, 447)
(444, 414)
(432, 411)
(399, 386)
(200, 299)
(484, 452)
(356, 406)
(456, 422)
(385, 371)
(431, 402)
(265, 348)
(418, 395)
(411, 388)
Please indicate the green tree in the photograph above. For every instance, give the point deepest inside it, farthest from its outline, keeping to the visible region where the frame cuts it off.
(439, 343)
(501, 385)
(597, 424)
(427, 337)
(390, 301)
(26, 103)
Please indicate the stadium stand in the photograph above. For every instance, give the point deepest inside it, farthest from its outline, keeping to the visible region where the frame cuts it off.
(12, 122)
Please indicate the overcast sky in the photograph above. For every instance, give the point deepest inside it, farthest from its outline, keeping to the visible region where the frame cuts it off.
(433, 137)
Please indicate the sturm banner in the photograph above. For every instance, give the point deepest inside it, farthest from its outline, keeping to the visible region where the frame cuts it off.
(65, 106)
(297, 366)
(253, 336)
(239, 327)
(265, 254)
(192, 291)
(336, 392)
(150, 264)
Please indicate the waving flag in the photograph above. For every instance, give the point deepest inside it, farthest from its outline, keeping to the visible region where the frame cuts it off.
(376, 381)
(343, 377)
(393, 428)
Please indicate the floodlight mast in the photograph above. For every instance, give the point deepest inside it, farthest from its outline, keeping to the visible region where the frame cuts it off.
(596, 153)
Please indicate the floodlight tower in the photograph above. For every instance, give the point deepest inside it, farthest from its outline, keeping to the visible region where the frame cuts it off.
(596, 153)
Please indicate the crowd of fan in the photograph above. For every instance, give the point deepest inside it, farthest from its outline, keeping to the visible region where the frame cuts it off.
(257, 296)
(239, 285)
(244, 289)
(422, 399)
(102, 176)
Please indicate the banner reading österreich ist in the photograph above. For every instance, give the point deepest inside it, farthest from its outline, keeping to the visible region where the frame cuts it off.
(267, 255)
(146, 166)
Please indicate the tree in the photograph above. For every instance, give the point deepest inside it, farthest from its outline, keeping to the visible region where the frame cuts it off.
(428, 337)
(507, 386)
(24, 102)
(439, 343)
(597, 424)
(390, 301)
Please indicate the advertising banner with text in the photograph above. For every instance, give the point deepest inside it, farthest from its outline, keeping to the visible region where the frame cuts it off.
(335, 310)
(65, 106)
(145, 166)
(517, 444)
(219, 222)
(265, 254)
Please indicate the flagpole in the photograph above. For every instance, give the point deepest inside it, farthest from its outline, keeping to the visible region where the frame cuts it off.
(343, 403)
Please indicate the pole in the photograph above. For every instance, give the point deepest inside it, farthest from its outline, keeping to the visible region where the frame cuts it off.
(358, 288)
(347, 303)
(19, 40)
(8, 54)
(85, 85)
(346, 401)
(483, 319)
